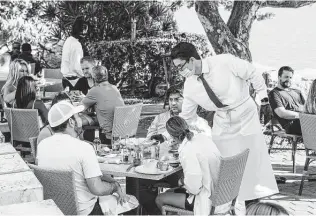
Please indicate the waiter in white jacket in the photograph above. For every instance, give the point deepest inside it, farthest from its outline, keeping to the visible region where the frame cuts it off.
(221, 83)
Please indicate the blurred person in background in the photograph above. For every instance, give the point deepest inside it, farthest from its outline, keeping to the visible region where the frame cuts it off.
(16, 50)
(18, 68)
(27, 56)
(25, 98)
(85, 83)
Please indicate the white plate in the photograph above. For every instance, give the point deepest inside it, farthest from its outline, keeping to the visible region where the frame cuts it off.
(151, 171)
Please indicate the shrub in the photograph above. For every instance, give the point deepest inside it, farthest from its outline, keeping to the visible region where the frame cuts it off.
(142, 60)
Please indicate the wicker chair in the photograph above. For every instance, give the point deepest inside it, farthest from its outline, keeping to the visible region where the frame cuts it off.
(33, 142)
(280, 132)
(23, 124)
(226, 188)
(308, 125)
(52, 73)
(59, 186)
(125, 121)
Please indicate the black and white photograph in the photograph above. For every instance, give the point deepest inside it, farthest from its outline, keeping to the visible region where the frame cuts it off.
(157, 107)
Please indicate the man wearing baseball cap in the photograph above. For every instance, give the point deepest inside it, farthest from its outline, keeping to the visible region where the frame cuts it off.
(63, 151)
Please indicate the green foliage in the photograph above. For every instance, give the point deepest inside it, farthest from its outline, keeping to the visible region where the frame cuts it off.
(142, 59)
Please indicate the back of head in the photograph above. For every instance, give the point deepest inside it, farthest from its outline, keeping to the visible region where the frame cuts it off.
(184, 51)
(26, 47)
(265, 208)
(25, 92)
(61, 96)
(310, 104)
(89, 59)
(99, 74)
(178, 128)
(77, 27)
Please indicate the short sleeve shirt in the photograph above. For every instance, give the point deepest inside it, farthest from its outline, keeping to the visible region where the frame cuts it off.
(63, 152)
(291, 99)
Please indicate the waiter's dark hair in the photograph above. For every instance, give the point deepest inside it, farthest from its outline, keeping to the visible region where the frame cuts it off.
(185, 51)
(77, 27)
(285, 68)
(177, 127)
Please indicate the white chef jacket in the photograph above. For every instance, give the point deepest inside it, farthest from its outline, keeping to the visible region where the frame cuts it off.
(226, 75)
(71, 56)
(235, 127)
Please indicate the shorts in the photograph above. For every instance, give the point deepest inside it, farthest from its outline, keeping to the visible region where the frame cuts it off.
(187, 205)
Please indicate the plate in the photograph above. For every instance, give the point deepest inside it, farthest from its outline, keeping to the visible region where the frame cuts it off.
(150, 171)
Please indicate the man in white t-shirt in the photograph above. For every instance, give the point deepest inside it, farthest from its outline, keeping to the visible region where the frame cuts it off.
(64, 151)
(71, 55)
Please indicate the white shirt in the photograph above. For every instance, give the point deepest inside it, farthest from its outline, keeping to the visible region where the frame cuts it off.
(158, 126)
(200, 160)
(71, 56)
(63, 152)
(228, 77)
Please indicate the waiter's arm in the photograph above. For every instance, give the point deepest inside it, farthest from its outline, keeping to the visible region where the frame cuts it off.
(246, 71)
(189, 108)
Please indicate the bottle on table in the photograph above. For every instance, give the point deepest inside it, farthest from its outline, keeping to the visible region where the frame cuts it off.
(97, 141)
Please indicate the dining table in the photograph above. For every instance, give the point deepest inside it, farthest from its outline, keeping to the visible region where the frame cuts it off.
(139, 184)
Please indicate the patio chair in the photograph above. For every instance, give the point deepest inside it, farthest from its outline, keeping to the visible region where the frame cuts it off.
(276, 130)
(23, 124)
(226, 189)
(58, 87)
(125, 121)
(52, 73)
(33, 142)
(59, 186)
(308, 125)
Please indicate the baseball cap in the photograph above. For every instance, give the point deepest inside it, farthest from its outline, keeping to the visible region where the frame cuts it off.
(61, 112)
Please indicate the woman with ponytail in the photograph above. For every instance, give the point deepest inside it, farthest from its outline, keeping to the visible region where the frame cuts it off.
(200, 160)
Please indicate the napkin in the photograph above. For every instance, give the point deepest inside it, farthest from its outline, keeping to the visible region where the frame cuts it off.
(110, 206)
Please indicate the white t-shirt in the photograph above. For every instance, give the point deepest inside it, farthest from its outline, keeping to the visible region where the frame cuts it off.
(71, 56)
(61, 151)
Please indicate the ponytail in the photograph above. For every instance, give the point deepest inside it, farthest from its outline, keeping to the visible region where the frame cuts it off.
(177, 127)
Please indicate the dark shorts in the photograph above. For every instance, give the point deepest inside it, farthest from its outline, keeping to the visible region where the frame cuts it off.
(187, 205)
(96, 209)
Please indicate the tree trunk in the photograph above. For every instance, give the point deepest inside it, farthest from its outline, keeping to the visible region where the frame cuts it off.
(218, 33)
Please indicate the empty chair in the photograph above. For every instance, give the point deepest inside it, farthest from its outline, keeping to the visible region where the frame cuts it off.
(308, 125)
(126, 119)
(59, 186)
(23, 124)
(226, 189)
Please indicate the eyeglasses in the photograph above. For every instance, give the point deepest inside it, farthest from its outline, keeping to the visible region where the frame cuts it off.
(180, 67)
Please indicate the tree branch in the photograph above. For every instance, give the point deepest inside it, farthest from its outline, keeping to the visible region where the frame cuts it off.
(218, 33)
(287, 4)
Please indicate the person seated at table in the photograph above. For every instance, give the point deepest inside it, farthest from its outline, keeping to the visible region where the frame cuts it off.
(27, 56)
(265, 208)
(157, 129)
(63, 151)
(104, 97)
(200, 160)
(84, 84)
(81, 118)
(18, 68)
(286, 102)
(25, 98)
(310, 104)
